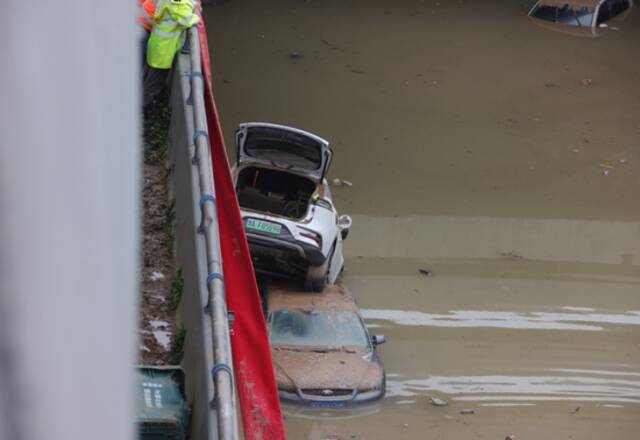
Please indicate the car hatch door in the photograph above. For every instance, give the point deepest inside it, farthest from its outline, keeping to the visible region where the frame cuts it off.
(283, 147)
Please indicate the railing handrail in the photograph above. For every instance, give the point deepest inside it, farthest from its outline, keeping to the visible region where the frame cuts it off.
(222, 372)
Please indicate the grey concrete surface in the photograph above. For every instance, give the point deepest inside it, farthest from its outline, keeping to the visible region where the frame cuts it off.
(69, 203)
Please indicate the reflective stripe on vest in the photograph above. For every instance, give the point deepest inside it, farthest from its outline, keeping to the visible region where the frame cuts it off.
(187, 20)
(166, 34)
(184, 22)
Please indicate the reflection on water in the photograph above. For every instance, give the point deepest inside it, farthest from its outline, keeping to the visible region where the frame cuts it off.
(578, 309)
(588, 386)
(512, 320)
(304, 412)
(507, 404)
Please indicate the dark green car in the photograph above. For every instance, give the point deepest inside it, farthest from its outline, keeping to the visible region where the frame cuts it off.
(163, 413)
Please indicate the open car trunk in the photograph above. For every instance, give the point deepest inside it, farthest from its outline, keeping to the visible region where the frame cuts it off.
(274, 192)
(285, 148)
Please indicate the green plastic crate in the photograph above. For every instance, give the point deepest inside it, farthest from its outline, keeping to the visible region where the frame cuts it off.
(163, 413)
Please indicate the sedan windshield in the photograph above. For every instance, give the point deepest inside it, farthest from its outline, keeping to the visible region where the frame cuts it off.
(324, 328)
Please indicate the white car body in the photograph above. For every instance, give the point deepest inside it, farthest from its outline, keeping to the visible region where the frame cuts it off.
(286, 205)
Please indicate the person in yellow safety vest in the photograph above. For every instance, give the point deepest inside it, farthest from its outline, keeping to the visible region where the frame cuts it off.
(171, 18)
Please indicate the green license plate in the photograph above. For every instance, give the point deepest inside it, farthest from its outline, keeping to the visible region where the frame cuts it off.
(262, 226)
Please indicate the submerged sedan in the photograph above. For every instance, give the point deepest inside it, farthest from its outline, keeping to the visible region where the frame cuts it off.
(579, 13)
(322, 352)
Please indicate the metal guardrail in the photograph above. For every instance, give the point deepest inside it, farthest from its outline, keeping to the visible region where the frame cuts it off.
(222, 372)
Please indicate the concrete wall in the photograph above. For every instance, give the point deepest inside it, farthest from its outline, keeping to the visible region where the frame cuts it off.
(191, 257)
(69, 219)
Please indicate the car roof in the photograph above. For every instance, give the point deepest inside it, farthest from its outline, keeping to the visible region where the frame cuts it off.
(334, 297)
(573, 3)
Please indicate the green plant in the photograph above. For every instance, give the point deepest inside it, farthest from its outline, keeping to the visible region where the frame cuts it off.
(177, 287)
(169, 220)
(177, 345)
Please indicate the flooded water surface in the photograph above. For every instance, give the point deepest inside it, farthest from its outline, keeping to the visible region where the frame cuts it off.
(499, 155)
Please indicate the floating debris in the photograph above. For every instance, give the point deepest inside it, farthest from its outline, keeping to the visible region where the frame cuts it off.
(511, 255)
(426, 272)
(295, 55)
(586, 81)
(467, 411)
(340, 182)
(577, 408)
(438, 402)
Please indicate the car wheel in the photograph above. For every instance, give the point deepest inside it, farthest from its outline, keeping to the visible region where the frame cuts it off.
(318, 276)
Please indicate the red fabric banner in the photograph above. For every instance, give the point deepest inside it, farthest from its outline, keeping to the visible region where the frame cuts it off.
(254, 374)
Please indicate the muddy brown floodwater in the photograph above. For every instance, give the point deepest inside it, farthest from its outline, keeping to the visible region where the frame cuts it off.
(501, 156)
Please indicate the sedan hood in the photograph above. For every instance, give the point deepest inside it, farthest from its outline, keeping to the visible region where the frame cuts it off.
(333, 370)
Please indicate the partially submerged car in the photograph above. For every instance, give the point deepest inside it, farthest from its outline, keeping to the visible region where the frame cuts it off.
(587, 14)
(292, 226)
(322, 352)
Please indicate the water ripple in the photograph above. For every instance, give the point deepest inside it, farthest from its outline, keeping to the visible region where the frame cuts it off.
(504, 319)
(523, 388)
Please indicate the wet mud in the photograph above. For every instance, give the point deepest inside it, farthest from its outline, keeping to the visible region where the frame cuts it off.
(498, 155)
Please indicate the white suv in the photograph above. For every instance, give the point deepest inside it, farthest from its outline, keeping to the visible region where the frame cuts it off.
(292, 227)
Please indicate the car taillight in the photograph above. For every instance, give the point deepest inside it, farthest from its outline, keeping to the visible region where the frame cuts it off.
(312, 235)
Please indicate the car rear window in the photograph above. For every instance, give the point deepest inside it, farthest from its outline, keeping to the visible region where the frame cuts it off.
(324, 328)
(565, 14)
(284, 146)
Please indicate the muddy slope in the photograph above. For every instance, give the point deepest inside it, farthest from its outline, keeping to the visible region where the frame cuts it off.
(157, 302)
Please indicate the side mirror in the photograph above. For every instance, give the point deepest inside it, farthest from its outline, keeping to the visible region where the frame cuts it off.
(344, 223)
(378, 339)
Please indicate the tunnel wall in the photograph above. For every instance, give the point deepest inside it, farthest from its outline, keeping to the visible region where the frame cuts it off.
(190, 251)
